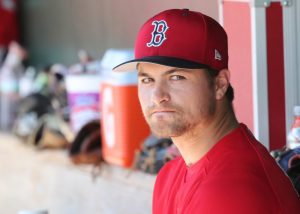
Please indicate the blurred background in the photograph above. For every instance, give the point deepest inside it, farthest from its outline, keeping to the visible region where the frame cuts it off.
(54, 31)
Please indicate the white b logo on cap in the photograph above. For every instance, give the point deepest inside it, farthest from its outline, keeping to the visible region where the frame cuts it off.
(158, 34)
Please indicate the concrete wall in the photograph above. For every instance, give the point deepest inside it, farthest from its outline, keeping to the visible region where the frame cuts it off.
(53, 30)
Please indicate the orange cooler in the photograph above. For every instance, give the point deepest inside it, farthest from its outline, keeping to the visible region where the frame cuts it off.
(124, 128)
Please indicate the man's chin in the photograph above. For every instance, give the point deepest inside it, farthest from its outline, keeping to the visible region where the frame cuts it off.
(161, 135)
(163, 132)
(167, 128)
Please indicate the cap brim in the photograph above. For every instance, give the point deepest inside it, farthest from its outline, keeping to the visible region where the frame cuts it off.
(162, 60)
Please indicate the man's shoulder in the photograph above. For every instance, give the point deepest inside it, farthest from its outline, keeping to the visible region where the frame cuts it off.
(238, 148)
(171, 166)
(171, 171)
(168, 176)
(244, 170)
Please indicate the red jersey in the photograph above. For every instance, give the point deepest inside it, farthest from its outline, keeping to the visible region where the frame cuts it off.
(237, 176)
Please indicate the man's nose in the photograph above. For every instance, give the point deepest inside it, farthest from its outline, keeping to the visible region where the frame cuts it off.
(160, 93)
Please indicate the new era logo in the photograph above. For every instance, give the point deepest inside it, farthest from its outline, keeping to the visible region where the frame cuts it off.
(218, 56)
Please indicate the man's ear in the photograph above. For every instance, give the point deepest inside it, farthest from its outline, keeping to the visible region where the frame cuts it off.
(222, 83)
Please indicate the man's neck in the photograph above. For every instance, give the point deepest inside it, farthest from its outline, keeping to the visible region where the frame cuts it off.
(195, 144)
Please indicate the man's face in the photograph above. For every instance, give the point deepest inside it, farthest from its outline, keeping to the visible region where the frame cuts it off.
(175, 101)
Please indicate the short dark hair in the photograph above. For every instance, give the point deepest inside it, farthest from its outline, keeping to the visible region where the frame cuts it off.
(211, 74)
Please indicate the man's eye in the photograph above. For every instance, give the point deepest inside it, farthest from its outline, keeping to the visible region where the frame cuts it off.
(146, 80)
(177, 77)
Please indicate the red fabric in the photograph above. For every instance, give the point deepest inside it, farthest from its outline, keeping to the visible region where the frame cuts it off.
(276, 86)
(236, 176)
(8, 24)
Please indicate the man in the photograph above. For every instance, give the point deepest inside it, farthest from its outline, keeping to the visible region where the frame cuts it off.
(184, 90)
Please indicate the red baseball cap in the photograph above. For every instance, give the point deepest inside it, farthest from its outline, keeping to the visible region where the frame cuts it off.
(180, 38)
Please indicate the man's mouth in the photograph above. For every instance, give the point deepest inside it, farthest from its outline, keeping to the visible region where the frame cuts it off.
(161, 111)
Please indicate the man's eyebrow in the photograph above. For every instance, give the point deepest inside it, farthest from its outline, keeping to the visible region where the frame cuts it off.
(174, 70)
(141, 73)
